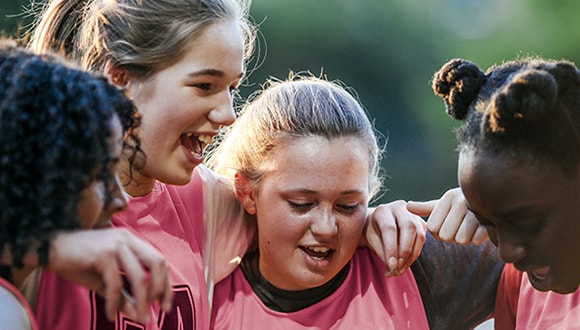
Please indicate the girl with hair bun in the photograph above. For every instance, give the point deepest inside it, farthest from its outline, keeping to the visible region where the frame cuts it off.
(519, 170)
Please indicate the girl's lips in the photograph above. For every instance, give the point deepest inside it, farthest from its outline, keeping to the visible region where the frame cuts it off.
(540, 278)
(541, 273)
(317, 252)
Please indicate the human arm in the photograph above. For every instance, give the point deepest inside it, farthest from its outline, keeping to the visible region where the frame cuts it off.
(449, 219)
(458, 283)
(98, 258)
(395, 234)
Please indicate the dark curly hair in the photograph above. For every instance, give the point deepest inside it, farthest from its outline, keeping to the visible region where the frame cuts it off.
(54, 140)
(529, 107)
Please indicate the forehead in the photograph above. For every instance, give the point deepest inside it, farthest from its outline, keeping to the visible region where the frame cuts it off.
(496, 185)
(219, 45)
(317, 160)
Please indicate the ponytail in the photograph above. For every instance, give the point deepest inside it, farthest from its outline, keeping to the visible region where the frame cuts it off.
(57, 27)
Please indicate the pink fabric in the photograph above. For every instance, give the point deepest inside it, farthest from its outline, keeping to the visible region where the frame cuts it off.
(520, 306)
(366, 300)
(171, 219)
(8, 286)
(547, 310)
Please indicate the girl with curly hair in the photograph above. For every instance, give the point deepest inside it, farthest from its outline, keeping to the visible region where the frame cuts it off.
(181, 62)
(62, 133)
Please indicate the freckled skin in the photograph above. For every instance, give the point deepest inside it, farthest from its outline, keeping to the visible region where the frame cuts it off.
(193, 95)
(531, 211)
(314, 194)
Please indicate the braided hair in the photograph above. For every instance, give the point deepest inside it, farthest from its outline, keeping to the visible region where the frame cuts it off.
(529, 108)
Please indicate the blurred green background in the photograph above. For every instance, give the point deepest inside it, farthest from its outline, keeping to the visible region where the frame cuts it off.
(388, 50)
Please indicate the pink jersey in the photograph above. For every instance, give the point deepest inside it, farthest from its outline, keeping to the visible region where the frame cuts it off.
(365, 300)
(178, 222)
(15, 313)
(530, 309)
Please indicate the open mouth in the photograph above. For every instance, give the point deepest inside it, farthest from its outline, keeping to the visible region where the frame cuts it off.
(540, 274)
(195, 144)
(318, 252)
(540, 278)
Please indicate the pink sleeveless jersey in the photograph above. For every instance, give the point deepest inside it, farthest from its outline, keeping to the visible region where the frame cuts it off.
(23, 303)
(171, 219)
(366, 300)
(533, 309)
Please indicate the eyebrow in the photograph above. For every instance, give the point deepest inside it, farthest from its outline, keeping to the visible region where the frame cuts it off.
(312, 192)
(211, 72)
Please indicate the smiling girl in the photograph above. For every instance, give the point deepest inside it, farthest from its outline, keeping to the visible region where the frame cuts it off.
(305, 162)
(519, 169)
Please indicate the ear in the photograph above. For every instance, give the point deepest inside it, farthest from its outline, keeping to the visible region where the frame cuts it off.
(245, 193)
(117, 75)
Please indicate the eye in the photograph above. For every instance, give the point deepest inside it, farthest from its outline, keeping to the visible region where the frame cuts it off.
(348, 208)
(203, 86)
(300, 207)
(529, 225)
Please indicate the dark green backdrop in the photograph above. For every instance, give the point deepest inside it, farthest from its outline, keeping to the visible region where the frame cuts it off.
(387, 50)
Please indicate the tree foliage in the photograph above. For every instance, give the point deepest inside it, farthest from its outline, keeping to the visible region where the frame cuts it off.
(387, 50)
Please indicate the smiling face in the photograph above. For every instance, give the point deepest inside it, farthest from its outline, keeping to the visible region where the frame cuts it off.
(100, 200)
(184, 105)
(531, 213)
(310, 208)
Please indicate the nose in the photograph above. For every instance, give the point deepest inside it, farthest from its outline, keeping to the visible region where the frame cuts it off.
(223, 113)
(510, 247)
(324, 224)
(118, 201)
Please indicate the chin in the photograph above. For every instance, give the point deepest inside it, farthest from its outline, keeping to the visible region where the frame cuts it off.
(566, 289)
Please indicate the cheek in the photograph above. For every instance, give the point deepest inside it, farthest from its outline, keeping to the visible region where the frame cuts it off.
(91, 205)
(277, 225)
(352, 228)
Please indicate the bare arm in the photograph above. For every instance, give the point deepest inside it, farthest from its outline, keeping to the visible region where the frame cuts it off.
(96, 258)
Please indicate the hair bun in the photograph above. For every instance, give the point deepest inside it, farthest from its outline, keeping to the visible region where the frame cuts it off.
(458, 82)
(525, 98)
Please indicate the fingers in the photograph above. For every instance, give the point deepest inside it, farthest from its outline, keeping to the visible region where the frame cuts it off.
(386, 229)
(401, 234)
(450, 220)
(422, 209)
(158, 281)
(480, 236)
(447, 214)
(411, 236)
(112, 290)
(453, 216)
(139, 300)
(411, 242)
(97, 258)
(467, 229)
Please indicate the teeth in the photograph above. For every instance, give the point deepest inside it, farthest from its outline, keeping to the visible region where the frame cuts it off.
(319, 249)
(207, 139)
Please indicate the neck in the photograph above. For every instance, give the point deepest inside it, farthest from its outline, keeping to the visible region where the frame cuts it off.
(135, 182)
